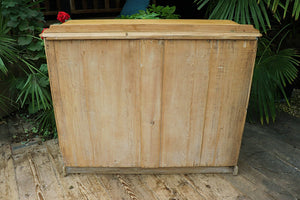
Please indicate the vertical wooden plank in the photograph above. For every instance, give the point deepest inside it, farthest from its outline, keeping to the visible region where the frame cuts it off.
(113, 90)
(105, 107)
(70, 77)
(184, 99)
(229, 78)
(234, 107)
(8, 184)
(151, 88)
(56, 94)
(216, 81)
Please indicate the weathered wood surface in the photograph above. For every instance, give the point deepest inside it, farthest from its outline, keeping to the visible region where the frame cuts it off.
(150, 29)
(150, 93)
(151, 103)
(268, 169)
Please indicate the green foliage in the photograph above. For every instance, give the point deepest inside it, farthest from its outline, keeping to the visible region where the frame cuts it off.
(25, 22)
(274, 68)
(35, 92)
(4, 101)
(255, 12)
(271, 73)
(154, 12)
(46, 121)
(8, 51)
(20, 46)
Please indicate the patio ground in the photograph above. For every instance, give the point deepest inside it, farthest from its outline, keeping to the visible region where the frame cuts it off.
(269, 168)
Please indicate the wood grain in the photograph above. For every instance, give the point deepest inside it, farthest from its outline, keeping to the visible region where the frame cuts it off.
(24, 177)
(8, 185)
(125, 100)
(142, 29)
(151, 63)
(183, 102)
(259, 178)
(117, 114)
(230, 74)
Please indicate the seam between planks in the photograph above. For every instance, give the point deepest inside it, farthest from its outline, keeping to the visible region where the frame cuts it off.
(162, 104)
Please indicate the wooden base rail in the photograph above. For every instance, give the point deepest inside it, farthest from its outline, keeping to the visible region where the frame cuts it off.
(164, 170)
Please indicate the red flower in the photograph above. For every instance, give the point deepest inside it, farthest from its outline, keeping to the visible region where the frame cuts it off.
(43, 32)
(63, 16)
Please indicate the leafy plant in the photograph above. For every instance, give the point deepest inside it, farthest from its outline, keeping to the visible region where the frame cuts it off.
(271, 73)
(25, 21)
(20, 46)
(8, 51)
(154, 12)
(46, 121)
(255, 12)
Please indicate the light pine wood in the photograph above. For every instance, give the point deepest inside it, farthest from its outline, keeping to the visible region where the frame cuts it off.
(143, 29)
(185, 85)
(150, 100)
(111, 118)
(149, 21)
(228, 92)
(151, 64)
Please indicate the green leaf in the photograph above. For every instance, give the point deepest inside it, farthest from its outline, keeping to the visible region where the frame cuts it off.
(3, 68)
(9, 4)
(24, 25)
(35, 46)
(44, 68)
(12, 23)
(24, 40)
